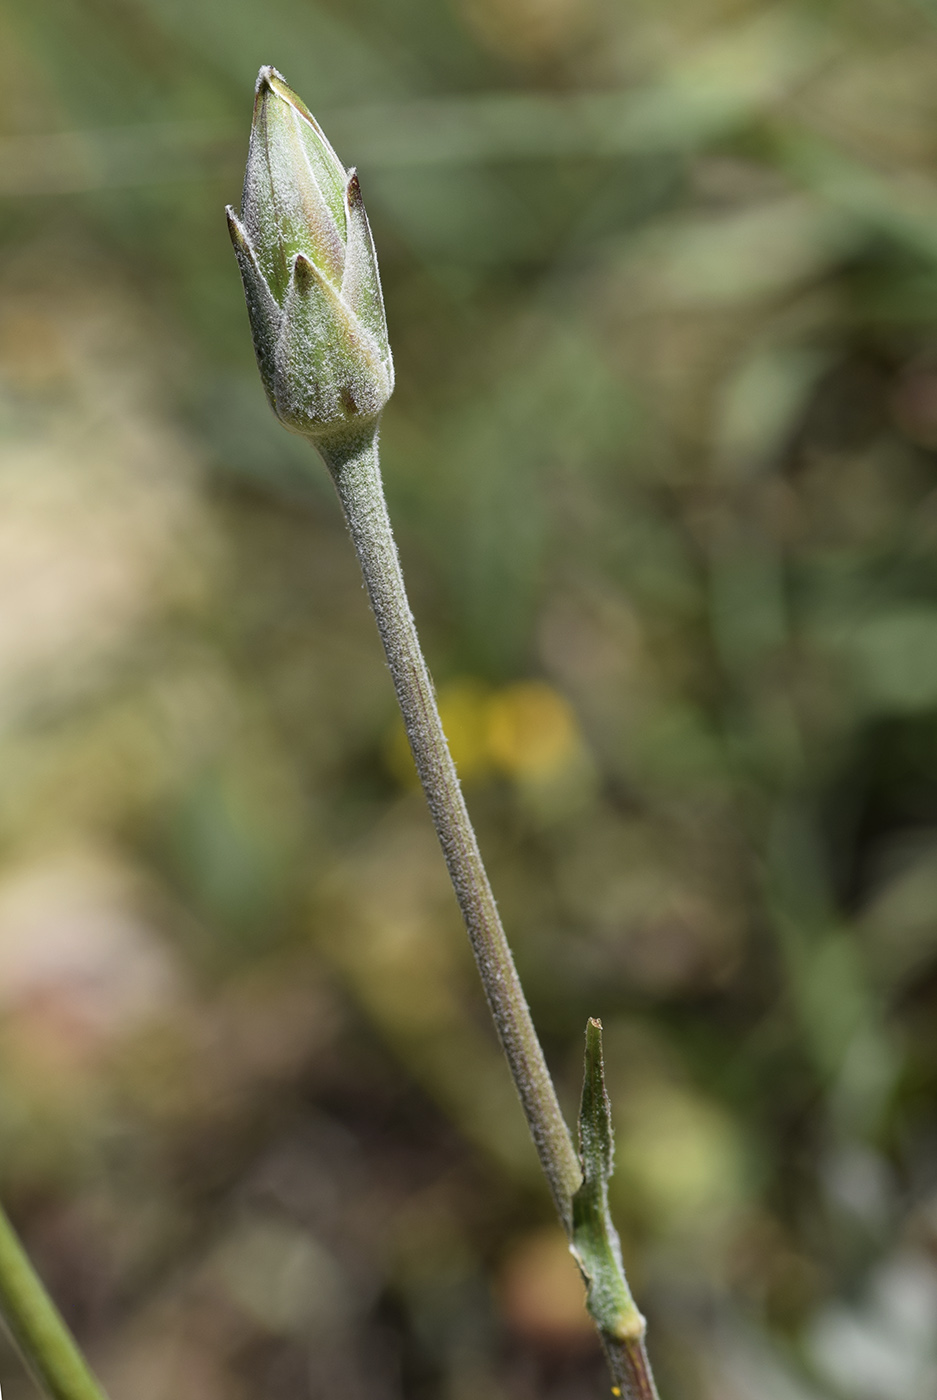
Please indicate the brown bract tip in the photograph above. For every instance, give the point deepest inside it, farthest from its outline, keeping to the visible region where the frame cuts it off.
(234, 227)
(303, 269)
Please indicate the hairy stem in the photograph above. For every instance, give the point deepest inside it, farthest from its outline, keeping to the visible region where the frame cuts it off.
(356, 472)
(48, 1348)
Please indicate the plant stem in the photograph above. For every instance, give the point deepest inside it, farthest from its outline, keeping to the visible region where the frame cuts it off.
(48, 1348)
(630, 1368)
(356, 472)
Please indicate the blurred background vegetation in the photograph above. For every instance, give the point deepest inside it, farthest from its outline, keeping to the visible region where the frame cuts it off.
(662, 289)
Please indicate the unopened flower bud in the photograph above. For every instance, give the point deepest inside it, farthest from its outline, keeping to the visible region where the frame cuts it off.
(310, 276)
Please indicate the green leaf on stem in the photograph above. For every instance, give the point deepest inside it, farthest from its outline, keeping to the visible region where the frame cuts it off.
(595, 1244)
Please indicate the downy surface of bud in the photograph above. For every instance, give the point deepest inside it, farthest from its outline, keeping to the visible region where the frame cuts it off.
(307, 261)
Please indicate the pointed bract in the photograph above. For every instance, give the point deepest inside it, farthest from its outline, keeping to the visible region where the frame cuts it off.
(328, 369)
(325, 165)
(293, 200)
(262, 310)
(361, 283)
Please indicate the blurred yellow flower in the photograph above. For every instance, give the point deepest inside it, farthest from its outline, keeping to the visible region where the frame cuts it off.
(532, 731)
(525, 730)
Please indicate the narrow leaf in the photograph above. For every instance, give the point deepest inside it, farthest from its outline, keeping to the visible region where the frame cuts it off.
(595, 1242)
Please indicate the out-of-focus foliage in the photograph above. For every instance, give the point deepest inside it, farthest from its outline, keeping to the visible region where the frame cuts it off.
(662, 290)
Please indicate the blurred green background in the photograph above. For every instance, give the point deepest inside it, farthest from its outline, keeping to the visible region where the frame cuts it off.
(661, 282)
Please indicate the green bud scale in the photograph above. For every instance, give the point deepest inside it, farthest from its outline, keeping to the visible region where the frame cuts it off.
(310, 276)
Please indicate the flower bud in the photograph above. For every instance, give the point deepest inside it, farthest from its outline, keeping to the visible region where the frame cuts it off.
(307, 262)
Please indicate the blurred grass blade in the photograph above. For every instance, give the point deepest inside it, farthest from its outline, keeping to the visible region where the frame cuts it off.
(36, 1326)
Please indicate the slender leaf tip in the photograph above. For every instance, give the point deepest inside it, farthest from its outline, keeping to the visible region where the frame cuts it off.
(595, 1242)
